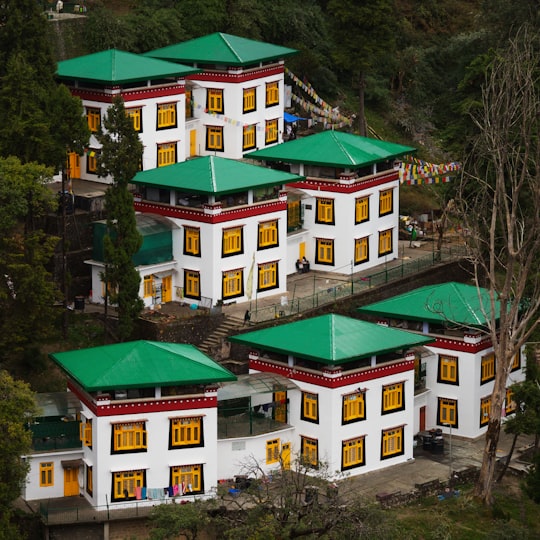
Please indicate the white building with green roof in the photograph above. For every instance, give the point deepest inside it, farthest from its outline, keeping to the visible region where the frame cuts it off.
(456, 378)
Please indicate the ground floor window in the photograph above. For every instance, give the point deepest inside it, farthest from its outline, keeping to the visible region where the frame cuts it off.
(268, 276)
(233, 284)
(310, 451)
(352, 453)
(89, 480)
(392, 442)
(192, 284)
(127, 485)
(46, 474)
(447, 412)
(272, 451)
(485, 409)
(187, 479)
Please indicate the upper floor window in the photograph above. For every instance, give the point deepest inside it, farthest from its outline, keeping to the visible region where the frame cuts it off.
(214, 138)
(94, 119)
(166, 115)
(192, 241)
(487, 368)
(361, 250)
(271, 131)
(516, 361)
(250, 101)
(215, 100)
(309, 451)
(250, 139)
(352, 453)
(448, 369)
(385, 242)
(233, 283)
(268, 278)
(268, 234)
(186, 432)
(272, 94)
(189, 103)
(86, 432)
(310, 407)
(129, 437)
(392, 398)
(386, 202)
(510, 404)
(192, 284)
(166, 154)
(361, 210)
(233, 241)
(272, 451)
(294, 215)
(392, 442)
(325, 251)
(325, 211)
(148, 286)
(135, 114)
(353, 407)
(485, 409)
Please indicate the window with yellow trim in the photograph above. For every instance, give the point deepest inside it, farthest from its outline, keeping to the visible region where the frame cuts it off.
(233, 284)
(148, 286)
(272, 94)
(352, 453)
(186, 432)
(233, 241)
(485, 410)
(516, 361)
(166, 154)
(309, 449)
(310, 407)
(487, 368)
(129, 437)
(166, 115)
(268, 276)
(214, 138)
(85, 432)
(353, 407)
(294, 215)
(249, 137)
(108, 290)
(385, 242)
(271, 131)
(126, 484)
(361, 210)
(325, 211)
(447, 413)
(89, 480)
(392, 398)
(192, 284)
(192, 241)
(215, 100)
(361, 250)
(268, 234)
(272, 451)
(386, 202)
(392, 442)
(250, 101)
(46, 474)
(510, 404)
(94, 119)
(135, 113)
(448, 369)
(189, 104)
(325, 251)
(189, 478)
(92, 161)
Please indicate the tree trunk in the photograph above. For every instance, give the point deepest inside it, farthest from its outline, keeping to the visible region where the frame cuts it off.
(508, 458)
(361, 106)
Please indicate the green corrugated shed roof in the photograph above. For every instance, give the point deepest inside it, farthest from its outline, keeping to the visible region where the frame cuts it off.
(333, 149)
(452, 303)
(212, 174)
(119, 67)
(140, 364)
(222, 48)
(331, 339)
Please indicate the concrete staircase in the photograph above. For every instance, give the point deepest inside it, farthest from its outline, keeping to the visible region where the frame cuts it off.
(214, 344)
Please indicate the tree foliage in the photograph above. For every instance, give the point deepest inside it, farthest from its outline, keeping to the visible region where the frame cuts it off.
(121, 153)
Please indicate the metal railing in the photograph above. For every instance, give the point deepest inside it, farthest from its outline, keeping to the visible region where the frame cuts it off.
(340, 289)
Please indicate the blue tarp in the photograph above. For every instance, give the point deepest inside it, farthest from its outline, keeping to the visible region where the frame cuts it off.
(291, 118)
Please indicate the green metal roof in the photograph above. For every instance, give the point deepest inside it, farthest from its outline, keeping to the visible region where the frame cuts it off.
(222, 48)
(140, 364)
(333, 149)
(212, 174)
(452, 303)
(119, 67)
(331, 339)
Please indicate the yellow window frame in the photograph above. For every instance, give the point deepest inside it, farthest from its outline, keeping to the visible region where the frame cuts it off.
(392, 442)
(192, 284)
(352, 452)
(215, 100)
(46, 474)
(385, 242)
(485, 410)
(93, 116)
(92, 161)
(249, 137)
(361, 249)
(310, 451)
(267, 276)
(271, 131)
(135, 114)
(188, 476)
(272, 451)
(232, 241)
(250, 102)
(448, 368)
(510, 404)
(192, 240)
(166, 154)
(516, 361)
(272, 93)
(393, 397)
(325, 211)
(129, 436)
(354, 407)
(386, 202)
(362, 210)
(125, 483)
(232, 283)
(186, 431)
(294, 218)
(325, 251)
(487, 368)
(89, 479)
(214, 137)
(268, 234)
(310, 407)
(447, 412)
(148, 286)
(85, 432)
(166, 115)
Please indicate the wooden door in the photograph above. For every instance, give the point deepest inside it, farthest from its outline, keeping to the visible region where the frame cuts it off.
(71, 481)
(286, 455)
(166, 289)
(193, 143)
(280, 408)
(74, 164)
(422, 418)
(302, 250)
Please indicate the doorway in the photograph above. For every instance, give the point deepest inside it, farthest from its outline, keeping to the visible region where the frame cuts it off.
(71, 481)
